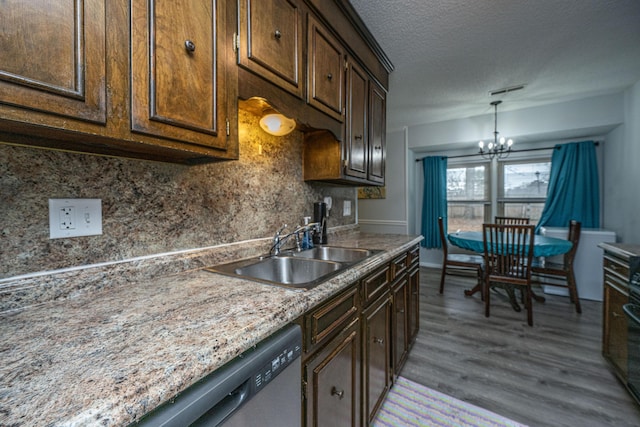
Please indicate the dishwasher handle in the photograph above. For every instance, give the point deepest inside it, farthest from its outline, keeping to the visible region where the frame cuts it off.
(226, 406)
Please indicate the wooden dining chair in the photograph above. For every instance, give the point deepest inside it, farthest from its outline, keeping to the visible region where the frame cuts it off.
(508, 253)
(561, 274)
(511, 220)
(457, 261)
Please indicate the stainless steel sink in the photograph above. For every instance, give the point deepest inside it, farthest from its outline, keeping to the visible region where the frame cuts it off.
(302, 270)
(335, 253)
(282, 270)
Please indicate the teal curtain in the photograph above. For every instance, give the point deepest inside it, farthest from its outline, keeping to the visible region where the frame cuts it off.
(434, 200)
(573, 191)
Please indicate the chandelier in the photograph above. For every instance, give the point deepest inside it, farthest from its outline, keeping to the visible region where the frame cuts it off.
(499, 147)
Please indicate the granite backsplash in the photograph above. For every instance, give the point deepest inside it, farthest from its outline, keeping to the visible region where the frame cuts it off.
(152, 208)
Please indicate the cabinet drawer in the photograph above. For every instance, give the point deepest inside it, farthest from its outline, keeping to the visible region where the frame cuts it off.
(399, 266)
(414, 255)
(616, 267)
(329, 318)
(376, 284)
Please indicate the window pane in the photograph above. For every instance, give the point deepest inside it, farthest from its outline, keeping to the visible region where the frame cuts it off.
(531, 210)
(466, 216)
(526, 180)
(466, 183)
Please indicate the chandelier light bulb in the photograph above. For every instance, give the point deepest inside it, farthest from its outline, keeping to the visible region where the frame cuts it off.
(496, 148)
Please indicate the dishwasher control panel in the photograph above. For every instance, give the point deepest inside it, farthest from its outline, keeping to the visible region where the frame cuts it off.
(276, 365)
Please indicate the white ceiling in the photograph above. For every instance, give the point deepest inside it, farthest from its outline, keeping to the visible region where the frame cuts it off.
(448, 54)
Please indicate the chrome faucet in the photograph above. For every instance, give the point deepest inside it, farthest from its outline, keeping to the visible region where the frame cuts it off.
(279, 239)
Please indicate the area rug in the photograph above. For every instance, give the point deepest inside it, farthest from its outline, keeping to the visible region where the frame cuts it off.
(409, 404)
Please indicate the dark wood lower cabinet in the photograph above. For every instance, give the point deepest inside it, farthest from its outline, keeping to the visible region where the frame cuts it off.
(413, 303)
(377, 355)
(356, 343)
(614, 322)
(399, 324)
(332, 381)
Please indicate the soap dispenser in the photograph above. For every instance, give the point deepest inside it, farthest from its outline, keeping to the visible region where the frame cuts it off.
(307, 240)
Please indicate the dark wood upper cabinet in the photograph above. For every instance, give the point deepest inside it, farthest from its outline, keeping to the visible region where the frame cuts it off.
(326, 63)
(60, 67)
(377, 133)
(178, 87)
(356, 152)
(360, 158)
(271, 42)
(164, 82)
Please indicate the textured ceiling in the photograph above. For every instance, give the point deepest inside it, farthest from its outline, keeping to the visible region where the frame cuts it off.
(448, 54)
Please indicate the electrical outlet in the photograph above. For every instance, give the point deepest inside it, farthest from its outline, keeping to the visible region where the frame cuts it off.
(346, 208)
(74, 217)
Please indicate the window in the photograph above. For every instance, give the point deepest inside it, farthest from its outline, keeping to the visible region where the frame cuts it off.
(522, 188)
(520, 191)
(468, 201)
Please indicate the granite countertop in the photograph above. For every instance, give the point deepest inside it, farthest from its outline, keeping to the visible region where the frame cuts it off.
(624, 250)
(108, 356)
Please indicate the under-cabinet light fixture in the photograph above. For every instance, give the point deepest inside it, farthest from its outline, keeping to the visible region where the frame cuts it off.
(277, 124)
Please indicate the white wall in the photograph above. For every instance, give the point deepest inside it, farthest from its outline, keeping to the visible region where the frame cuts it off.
(621, 195)
(389, 215)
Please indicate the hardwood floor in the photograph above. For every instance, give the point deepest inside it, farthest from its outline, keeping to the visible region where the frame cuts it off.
(551, 374)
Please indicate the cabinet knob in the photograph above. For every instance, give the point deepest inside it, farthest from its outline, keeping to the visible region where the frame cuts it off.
(401, 311)
(336, 392)
(377, 147)
(358, 137)
(330, 76)
(277, 34)
(378, 340)
(190, 46)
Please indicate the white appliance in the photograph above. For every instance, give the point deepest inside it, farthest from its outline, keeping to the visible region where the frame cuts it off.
(587, 264)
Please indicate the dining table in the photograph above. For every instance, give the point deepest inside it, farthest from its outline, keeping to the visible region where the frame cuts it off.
(543, 246)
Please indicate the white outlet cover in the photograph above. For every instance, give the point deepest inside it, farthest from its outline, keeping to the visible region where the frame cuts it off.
(346, 208)
(74, 218)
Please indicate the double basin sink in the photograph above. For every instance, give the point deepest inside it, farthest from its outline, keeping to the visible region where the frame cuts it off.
(301, 270)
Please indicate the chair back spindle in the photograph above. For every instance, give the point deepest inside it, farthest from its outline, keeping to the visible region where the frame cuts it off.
(508, 254)
(511, 220)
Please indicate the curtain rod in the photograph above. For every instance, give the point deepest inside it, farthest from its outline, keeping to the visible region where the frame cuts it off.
(596, 143)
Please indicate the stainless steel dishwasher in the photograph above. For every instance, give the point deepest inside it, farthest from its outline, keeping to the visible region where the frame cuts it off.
(261, 387)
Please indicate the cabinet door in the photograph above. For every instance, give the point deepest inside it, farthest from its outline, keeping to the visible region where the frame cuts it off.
(615, 328)
(377, 354)
(399, 324)
(325, 86)
(178, 62)
(356, 144)
(271, 41)
(413, 305)
(52, 57)
(377, 132)
(333, 382)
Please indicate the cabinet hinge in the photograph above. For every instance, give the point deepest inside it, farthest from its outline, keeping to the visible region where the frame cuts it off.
(346, 65)
(228, 127)
(236, 42)
(304, 390)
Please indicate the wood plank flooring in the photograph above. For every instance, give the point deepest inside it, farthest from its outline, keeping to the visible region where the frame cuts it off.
(551, 374)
